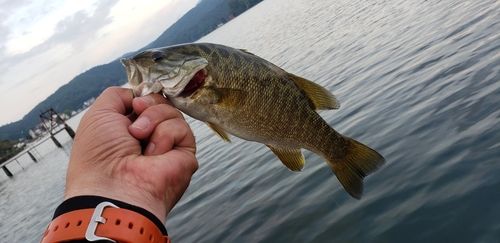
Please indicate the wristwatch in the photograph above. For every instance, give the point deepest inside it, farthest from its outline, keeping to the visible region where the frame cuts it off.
(104, 222)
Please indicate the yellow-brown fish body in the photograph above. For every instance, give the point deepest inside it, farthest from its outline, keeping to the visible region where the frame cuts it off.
(236, 92)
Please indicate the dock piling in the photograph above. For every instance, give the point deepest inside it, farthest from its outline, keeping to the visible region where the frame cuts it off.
(32, 156)
(69, 130)
(7, 171)
(58, 144)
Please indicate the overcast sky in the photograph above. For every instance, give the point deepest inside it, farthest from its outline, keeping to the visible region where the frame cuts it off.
(45, 43)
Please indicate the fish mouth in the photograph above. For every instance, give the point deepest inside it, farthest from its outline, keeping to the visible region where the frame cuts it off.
(182, 89)
(195, 83)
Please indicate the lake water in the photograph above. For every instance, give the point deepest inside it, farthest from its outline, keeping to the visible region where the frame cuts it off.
(419, 81)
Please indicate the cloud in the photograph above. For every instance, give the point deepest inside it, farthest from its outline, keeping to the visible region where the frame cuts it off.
(69, 39)
(4, 32)
(8, 5)
(77, 30)
(82, 27)
(31, 22)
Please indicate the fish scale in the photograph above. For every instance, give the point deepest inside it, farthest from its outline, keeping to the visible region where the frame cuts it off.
(246, 96)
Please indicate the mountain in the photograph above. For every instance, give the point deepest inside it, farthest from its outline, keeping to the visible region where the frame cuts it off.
(199, 21)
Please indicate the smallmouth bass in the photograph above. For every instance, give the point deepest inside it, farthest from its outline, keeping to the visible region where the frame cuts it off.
(236, 92)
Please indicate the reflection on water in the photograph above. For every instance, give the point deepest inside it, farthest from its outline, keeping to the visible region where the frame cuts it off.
(417, 81)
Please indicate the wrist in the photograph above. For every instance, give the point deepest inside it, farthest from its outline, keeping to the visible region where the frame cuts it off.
(121, 192)
(91, 218)
(91, 201)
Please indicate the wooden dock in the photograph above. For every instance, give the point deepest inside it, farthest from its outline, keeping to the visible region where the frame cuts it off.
(53, 124)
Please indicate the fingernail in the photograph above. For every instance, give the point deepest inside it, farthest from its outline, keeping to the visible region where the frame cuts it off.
(141, 123)
(150, 148)
(147, 99)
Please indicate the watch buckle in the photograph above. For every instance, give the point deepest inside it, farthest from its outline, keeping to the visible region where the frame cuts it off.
(95, 220)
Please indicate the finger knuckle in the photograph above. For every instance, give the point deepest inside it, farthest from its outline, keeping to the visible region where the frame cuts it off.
(190, 162)
(195, 164)
(170, 111)
(110, 90)
(165, 130)
(162, 112)
(172, 127)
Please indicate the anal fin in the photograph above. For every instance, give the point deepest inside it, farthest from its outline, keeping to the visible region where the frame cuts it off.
(219, 131)
(291, 158)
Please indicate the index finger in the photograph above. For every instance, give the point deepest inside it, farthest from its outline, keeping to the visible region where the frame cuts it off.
(142, 103)
(116, 99)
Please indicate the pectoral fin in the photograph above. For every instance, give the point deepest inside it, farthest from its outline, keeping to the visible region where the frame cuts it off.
(291, 158)
(220, 96)
(207, 96)
(321, 98)
(231, 97)
(222, 134)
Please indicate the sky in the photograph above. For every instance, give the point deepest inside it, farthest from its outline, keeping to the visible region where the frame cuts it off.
(45, 43)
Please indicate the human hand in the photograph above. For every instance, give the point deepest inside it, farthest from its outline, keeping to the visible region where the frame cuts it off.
(107, 158)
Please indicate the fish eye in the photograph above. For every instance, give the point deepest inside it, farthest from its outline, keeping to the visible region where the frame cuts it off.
(157, 56)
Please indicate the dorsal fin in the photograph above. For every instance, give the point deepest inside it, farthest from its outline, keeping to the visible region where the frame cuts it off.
(246, 51)
(321, 98)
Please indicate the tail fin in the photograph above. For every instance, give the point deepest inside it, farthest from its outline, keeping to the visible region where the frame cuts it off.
(358, 162)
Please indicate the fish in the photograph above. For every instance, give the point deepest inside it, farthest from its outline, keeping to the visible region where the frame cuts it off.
(236, 92)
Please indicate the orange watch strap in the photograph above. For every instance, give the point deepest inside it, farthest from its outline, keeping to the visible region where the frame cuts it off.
(120, 225)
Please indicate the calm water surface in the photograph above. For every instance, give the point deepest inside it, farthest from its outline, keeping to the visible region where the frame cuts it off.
(417, 80)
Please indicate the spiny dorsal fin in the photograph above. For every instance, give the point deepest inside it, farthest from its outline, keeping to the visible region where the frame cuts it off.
(321, 98)
(246, 51)
(291, 158)
(219, 131)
